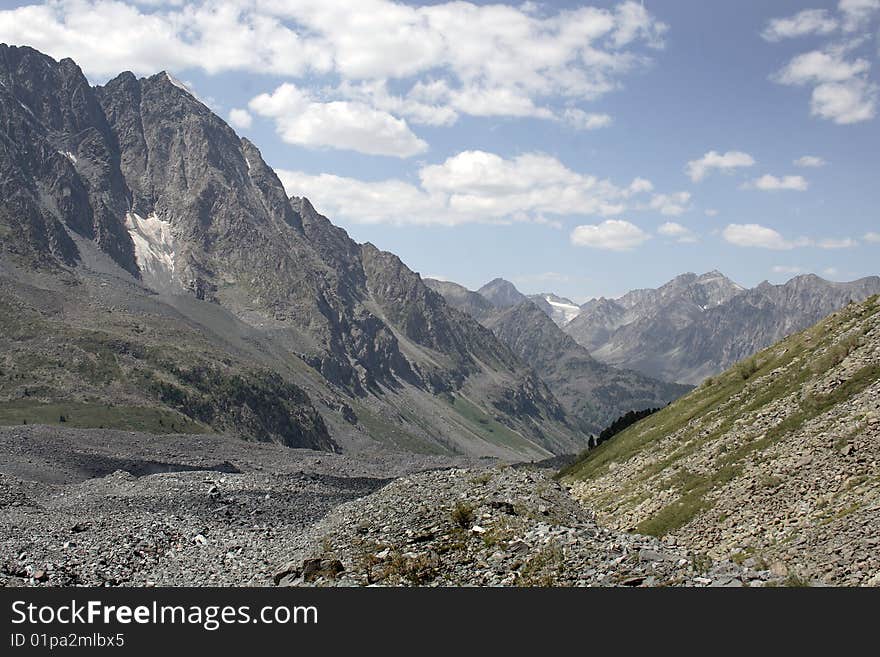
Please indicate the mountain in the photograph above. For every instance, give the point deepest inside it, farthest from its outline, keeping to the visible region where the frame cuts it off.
(501, 293)
(138, 225)
(696, 326)
(559, 309)
(773, 463)
(458, 296)
(592, 393)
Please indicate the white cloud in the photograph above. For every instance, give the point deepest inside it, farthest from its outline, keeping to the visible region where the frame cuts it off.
(819, 67)
(640, 185)
(830, 271)
(757, 236)
(842, 91)
(493, 60)
(768, 183)
(808, 21)
(240, 118)
(581, 120)
(699, 169)
(471, 187)
(610, 235)
(711, 212)
(872, 237)
(810, 161)
(787, 269)
(339, 124)
(670, 205)
(677, 232)
(845, 102)
(837, 243)
(857, 13)
(726, 162)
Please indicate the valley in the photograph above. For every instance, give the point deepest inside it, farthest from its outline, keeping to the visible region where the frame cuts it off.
(204, 381)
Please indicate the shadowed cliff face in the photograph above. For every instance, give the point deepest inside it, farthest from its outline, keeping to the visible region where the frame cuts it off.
(147, 174)
(59, 161)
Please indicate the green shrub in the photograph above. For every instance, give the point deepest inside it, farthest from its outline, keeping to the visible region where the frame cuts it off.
(463, 514)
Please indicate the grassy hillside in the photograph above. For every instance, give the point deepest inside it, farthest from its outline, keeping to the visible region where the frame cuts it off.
(143, 372)
(762, 458)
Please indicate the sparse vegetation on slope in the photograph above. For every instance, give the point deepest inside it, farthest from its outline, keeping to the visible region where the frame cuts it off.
(756, 459)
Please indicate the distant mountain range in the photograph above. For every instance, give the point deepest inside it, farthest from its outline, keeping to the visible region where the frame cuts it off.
(696, 326)
(685, 330)
(590, 391)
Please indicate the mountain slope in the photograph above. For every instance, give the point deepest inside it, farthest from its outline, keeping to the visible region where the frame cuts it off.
(594, 393)
(695, 326)
(501, 293)
(559, 309)
(458, 296)
(775, 460)
(136, 191)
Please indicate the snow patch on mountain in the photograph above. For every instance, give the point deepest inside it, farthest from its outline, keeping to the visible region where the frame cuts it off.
(153, 249)
(564, 309)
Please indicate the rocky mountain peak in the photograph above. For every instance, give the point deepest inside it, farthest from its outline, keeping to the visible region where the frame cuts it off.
(501, 293)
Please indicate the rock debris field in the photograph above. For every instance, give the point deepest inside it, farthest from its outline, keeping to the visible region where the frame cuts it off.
(212, 511)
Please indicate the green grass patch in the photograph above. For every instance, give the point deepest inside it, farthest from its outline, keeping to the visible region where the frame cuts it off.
(94, 416)
(488, 428)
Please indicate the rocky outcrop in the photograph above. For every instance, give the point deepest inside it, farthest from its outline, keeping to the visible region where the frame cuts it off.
(497, 527)
(59, 163)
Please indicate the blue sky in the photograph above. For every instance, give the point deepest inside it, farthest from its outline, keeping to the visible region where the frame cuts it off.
(580, 148)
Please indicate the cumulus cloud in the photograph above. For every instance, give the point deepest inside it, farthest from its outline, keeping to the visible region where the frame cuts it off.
(842, 90)
(872, 237)
(810, 161)
(710, 212)
(769, 183)
(610, 235)
(808, 21)
(485, 60)
(338, 124)
(472, 187)
(240, 118)
(757, 236)
(847, 102)
(820, 67)
(677, 232)
(787, 269)
(726, 162)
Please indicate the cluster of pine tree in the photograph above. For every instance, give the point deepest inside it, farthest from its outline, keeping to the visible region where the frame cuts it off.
(621, 423)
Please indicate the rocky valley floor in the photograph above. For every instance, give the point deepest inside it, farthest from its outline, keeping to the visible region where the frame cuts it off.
(108, 508)
(100, 507)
